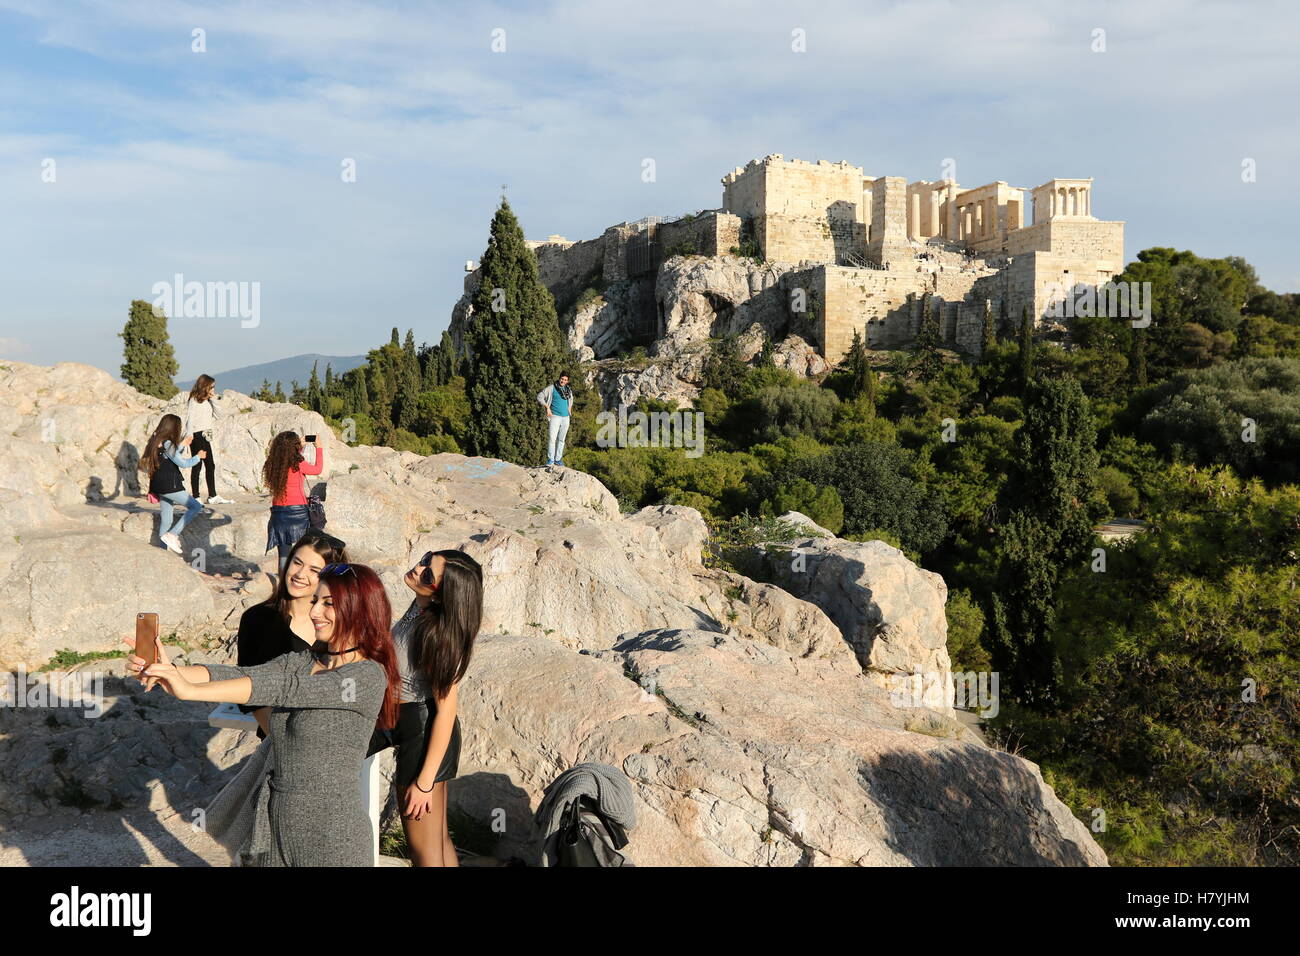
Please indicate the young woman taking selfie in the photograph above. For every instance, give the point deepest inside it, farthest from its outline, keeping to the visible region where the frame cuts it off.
(434, 641)
(282, 473)
(282, 623)
(324, 705)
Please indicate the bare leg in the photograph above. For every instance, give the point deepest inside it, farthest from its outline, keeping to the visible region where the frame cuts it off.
(449, 857)
(424, 837)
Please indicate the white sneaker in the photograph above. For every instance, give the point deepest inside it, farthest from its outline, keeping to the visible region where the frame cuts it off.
(173, 543)
(218, 500)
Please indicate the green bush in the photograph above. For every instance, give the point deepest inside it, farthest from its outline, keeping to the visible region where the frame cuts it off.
(823, 505)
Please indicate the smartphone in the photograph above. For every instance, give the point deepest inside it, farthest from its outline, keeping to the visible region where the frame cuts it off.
(146, 637)
(311, 439)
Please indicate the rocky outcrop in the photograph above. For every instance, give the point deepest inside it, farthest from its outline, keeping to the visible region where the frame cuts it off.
(738, 707)
(889, 611)
(702, 298)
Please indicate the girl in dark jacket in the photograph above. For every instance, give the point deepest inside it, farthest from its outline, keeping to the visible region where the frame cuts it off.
(162, 461)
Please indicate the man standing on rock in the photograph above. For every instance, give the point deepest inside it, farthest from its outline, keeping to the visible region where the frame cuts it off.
(556, 400)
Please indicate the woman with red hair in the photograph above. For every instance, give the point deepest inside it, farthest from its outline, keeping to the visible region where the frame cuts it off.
(324, 704)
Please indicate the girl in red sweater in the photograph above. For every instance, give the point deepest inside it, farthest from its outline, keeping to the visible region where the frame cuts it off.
(283, 475)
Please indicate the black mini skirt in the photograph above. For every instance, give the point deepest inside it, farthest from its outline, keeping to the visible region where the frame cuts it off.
(411, 738)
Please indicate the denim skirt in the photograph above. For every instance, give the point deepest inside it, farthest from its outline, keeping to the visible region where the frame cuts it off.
(286, 525)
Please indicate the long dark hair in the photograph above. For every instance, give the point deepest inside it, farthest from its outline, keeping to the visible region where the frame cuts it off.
(169, 429)
(281, 458)
(444, 634)
(203, 389)
(329, 553)
(363, 615)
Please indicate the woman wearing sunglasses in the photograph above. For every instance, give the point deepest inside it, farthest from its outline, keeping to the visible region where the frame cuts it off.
(324, 704)
(434, 640)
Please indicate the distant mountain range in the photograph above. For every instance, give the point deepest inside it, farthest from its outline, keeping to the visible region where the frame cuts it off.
(249, 378)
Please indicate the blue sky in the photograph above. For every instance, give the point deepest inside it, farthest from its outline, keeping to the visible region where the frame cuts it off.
(225, 165)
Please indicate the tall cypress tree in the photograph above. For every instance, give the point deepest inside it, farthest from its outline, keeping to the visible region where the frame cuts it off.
(279, 392)
(448, 362)
(428, 368)
(148, 362)
(514, 348)
(407, 393)
(1138, 362)
(1047, 532)
(315, 397)
(927, 340)
(380, 394)
(1026, 346)
(989, 332)
(359, 401)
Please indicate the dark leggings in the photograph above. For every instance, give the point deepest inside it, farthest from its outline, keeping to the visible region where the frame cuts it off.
(200, 443)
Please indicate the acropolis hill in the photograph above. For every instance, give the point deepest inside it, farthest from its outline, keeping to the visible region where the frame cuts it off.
(868, 254)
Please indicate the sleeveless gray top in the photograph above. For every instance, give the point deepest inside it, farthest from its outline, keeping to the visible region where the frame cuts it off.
(414, 685)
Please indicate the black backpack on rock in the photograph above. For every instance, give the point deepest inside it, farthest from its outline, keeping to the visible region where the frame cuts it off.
(589, 838)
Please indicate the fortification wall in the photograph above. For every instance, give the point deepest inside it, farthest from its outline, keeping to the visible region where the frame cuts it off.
(887, 305)
(802, 211)
(888, 241)
(1091, 239)
(711, 233)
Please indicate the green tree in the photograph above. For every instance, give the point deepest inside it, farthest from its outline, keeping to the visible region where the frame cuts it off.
(823, 505)
(1051, 501)
(988, 332)
(1026, 346)
(406, 397)
(514, 348)
(148, 362)
(879, 488)
(724, 369)
(929, 361)
(862, 378)
(315, 395)
(359, 397)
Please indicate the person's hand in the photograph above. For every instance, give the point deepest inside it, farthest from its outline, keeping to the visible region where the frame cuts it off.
(135, 663)
(203, 454)
(418, 803)
(186, 442)
(170, 679)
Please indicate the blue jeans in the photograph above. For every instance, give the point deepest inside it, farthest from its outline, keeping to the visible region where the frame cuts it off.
(169, 503)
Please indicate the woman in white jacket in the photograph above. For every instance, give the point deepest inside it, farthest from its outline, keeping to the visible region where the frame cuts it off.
(200, 415)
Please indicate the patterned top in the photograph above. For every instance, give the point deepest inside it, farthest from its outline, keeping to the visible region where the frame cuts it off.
(415, 686)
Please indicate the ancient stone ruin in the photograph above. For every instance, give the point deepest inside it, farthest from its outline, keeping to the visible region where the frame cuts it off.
(811, 252)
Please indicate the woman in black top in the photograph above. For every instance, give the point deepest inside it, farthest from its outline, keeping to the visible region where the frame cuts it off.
(282, 623)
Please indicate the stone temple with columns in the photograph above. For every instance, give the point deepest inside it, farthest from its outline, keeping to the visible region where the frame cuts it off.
(877, 250)
(870, 254)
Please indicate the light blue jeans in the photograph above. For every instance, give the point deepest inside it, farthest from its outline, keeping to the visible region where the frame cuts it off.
(169, 503)
(557, 427)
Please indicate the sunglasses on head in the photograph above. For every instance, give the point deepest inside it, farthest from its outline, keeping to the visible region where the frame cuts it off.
(336, 569)
(335, 543)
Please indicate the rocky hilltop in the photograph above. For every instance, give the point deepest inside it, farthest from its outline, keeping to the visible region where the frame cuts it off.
(752, 719)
